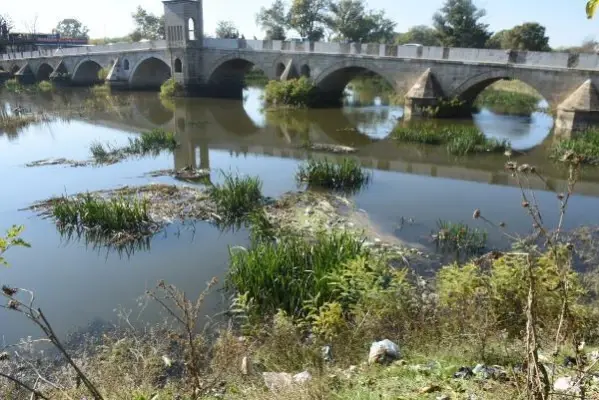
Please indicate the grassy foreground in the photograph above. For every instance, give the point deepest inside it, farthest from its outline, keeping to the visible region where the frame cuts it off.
(459, 140)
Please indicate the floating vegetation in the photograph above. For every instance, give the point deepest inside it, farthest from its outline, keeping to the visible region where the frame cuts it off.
(329, 148)
(460, 140)
(184, 174)
(582, 147)
(459, 237)
(284, 275)
(56, 161)
(127, 214)
(152, 142)
(236, 197)
(346, 175)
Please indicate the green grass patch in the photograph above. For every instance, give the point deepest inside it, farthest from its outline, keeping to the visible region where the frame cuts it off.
(106, 215)
(171, 88)
(292, 93)
(287, 274)
(507, 102)
(460, 237)
(584, 146)
(460, 140)
(13, 123)
(346, 175)
(236, 197)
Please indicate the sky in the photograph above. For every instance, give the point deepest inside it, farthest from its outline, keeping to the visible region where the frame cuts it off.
(565, 20)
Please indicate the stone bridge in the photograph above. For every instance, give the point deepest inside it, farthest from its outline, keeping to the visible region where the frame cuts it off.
(217, 67)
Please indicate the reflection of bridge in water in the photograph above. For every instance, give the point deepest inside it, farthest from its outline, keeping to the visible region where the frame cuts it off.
(203, 125)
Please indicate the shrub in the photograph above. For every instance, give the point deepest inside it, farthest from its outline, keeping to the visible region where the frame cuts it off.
(45, 86)
(293, 274)
(460, 237)
(296, 93)
(237, 197)
(103, 74)
(171, 88)
(507, 102)
(347, 175)
(13, 86)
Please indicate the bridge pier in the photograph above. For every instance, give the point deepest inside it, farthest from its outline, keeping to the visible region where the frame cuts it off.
(579, 112)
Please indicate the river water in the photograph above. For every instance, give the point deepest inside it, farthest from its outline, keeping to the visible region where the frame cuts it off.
(412, 188)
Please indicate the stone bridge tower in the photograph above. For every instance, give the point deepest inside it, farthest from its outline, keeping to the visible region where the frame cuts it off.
(184, 28)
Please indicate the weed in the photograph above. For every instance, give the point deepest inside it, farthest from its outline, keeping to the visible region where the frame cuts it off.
(236, 197)
(152, 142)
(584, 146)
(45, 86)
(106, 215)
(287, 274)
(347, 175)
(99, 152)
(459, 237)
(507, 102)
(171, 88)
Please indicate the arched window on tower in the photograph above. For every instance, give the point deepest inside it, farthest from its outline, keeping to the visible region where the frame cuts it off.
(178, 65)
(126, 65)
(191, 29)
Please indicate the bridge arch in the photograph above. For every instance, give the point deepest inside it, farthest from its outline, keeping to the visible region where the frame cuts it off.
(43, 72)
(469, 89)
(333, 79)
(149, 73)
(86, 72)
(234, 67)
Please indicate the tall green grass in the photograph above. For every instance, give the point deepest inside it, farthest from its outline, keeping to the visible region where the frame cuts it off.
(460, 140)
(583, 145)
(107, 215)
(346, 175)
(236, 197)
(507, 102)
(287, 274)
(460, 237)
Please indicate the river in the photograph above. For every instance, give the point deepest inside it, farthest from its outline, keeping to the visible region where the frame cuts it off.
(412, 188)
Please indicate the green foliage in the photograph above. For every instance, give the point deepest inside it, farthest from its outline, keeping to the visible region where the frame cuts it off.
(460, 140)
(45, 86)
(107, 215)
(507, 102)
(171, 88)
(72, 28)
(147, 25)
(295, 93)
(100, 90)
(237, 197)
(226, 30)
(293, 272)
(584, 146)
(256, 77)
(103, 74)
(351, 21)
(457, 24)
(420, 34)
(309, 17)
(12, 239)
(152, 142)
(529, 36)
(273, 20)
(346, 175)
(591, 7)
(460, 237)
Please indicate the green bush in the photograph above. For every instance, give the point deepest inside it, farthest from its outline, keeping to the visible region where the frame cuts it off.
(13, 86)
(295, 93)
(171, 88)
(103, 74)
(346, 175)
(45, 86)
(237, 197)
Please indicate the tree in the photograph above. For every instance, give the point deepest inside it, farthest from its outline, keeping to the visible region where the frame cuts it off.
(273, 20)
(420, 34)
(350, 21)
(226, 30)
(528, 36)
(5, 26)
(457, 24)
(496, 41)
(72, 28)
(308, 18)
(147, 25)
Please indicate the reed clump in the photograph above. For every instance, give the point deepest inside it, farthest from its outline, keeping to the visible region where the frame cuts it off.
(236, 197)
(583, 146)
(347, 175)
